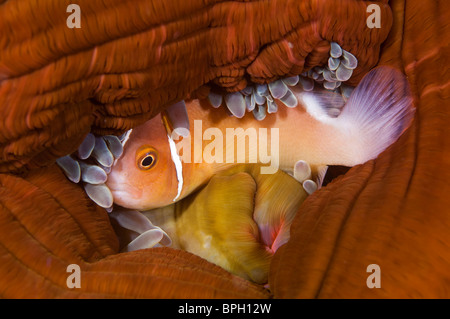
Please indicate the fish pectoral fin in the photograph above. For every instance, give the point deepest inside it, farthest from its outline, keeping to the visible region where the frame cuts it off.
(277, 201)
(217, 224)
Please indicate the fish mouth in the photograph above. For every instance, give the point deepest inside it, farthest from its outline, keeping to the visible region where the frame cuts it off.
(131, 192)
(123, 189)
(127, 198)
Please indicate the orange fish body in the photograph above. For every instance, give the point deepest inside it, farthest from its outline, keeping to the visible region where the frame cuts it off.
(243, 213)
(151, 174)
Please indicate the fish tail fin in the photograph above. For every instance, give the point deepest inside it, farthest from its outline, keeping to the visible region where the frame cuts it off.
(377, 113)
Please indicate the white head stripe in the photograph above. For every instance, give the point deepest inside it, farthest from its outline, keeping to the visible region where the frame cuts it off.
(178, 166)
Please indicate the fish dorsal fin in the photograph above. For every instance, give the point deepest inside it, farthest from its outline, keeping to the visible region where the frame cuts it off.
(322, 105)
(378, 111)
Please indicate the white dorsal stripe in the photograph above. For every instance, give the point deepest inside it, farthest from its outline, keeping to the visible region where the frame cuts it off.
(124, 141)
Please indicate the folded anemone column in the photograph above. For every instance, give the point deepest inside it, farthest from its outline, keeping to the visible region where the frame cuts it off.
(48, 225)
(131, 59)
(392, 212)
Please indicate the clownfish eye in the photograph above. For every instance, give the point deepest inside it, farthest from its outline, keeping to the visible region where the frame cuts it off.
(147, 161)
(146, 158)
